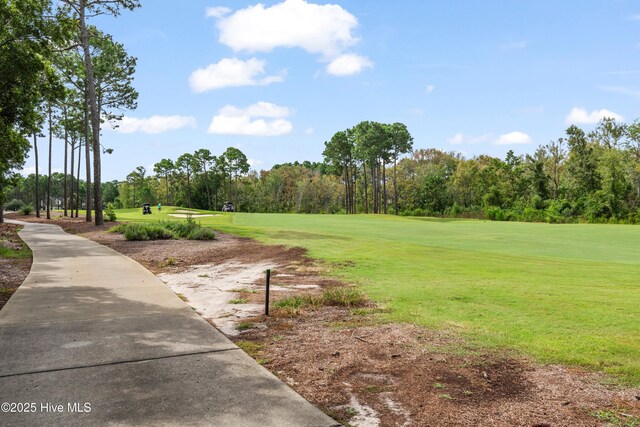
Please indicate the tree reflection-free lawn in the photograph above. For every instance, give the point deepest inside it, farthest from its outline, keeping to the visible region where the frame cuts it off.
(561, 293)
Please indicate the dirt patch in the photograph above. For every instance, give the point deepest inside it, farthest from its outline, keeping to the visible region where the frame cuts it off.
(13, 271)
(359, 370)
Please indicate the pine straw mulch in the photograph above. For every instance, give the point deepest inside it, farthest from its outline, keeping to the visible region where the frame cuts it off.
(363, 371)
(13, 271)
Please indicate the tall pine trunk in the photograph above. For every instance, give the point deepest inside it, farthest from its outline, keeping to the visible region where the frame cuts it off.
(49, 174)
(71, 187)
(374, 186)
(395, 184)
(66, 154)
(87, 162)
(346, 189)
(366, 190)
(35, 149)
(384, 185)
(78, 181)
(95, 119)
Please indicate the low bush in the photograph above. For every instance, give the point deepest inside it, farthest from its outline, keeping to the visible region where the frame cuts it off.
(164, 230)
(26, 209)
(202, 233)
(110, 212)
(146, 232)
(14, 205)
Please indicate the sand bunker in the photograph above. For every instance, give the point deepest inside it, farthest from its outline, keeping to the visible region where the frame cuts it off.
(191, 215)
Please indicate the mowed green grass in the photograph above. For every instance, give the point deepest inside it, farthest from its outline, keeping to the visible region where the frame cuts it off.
(561, 293)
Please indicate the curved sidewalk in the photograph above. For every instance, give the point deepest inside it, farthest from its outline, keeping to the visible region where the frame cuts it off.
(93, 338)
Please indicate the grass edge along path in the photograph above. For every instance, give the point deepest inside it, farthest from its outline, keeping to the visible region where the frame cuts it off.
(566, 294)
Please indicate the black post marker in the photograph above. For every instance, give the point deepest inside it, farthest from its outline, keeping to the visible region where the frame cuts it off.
(266, 299)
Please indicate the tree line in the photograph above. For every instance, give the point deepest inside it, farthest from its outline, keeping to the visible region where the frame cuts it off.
(60, 77)
(196, 180)
(372, 168)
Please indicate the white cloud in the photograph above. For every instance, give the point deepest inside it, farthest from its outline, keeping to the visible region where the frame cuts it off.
(430, 89)
(231, 120)
(231, 72)
(324, 29)
(460, 138)
(216, 12)
(515, 45)
(309, 131)
(513, 138)
(254, 163)
(153, 124)
(581, 116)
(348, 64)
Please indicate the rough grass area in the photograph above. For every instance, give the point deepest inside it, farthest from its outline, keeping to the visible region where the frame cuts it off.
(333, 297)
(561, 293)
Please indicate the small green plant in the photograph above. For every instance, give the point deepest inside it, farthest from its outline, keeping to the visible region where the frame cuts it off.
(6, 292)
(238, 301)
(110, 212)
(439, 385)
(446, 396)
(182, 297)
(253, 349)
(616, 420)
(351, 412)
(244, 291)
(375, 389)
(243, 326)
(26, 209)
(203, 275)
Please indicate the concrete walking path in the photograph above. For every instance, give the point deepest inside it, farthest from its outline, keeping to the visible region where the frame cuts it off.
(93, 338)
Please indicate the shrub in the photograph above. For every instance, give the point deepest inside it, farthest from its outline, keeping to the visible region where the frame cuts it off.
(26, 209)
(146, 232)
(110, 212)
(14, 205)
(202, 233)
(190, 230)
(164, 230)
(455, 210)
(495, 213)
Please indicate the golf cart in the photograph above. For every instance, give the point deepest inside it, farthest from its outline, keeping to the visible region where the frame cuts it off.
(228, 207)
(146, 209)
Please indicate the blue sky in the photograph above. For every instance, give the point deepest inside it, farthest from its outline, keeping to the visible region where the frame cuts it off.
(278, 79)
